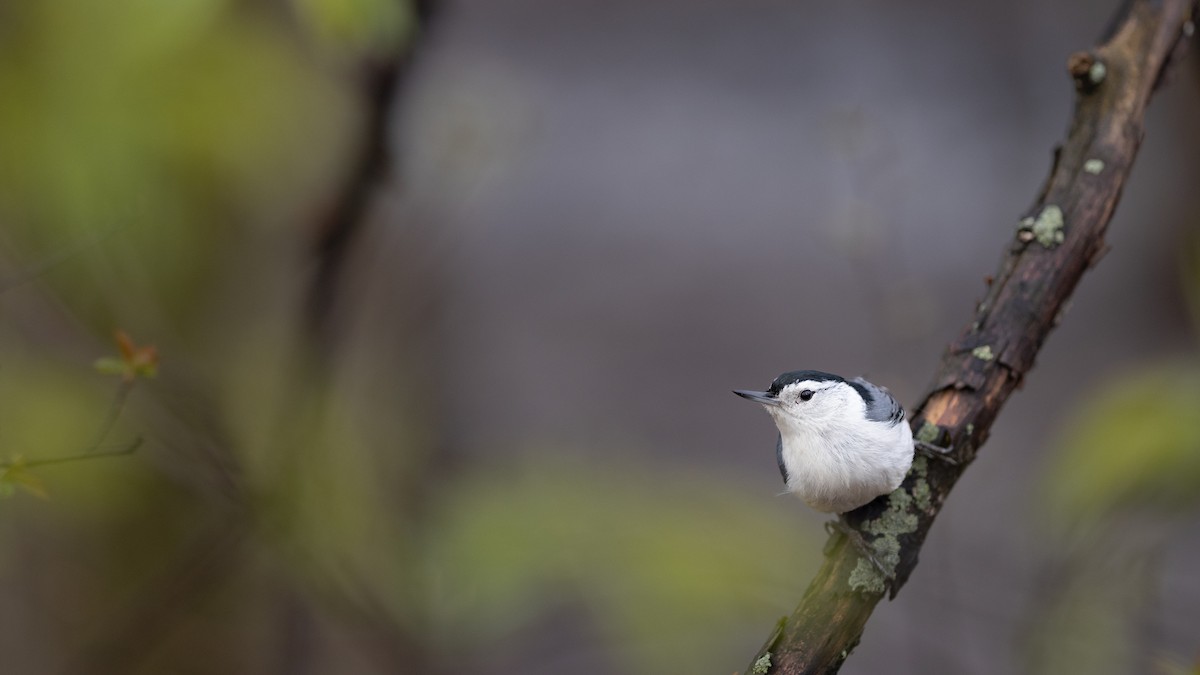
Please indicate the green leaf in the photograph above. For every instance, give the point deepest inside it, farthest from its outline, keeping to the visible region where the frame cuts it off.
(22, 478)
(15, 474)
(135, 361)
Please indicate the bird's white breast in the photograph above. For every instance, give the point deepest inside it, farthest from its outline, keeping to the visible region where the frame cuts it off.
(837, 468)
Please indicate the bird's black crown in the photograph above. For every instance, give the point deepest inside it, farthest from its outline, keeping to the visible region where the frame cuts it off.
(801, 376)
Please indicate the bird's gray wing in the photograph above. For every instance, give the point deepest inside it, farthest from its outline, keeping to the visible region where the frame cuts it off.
(881, 406)
(779, 457)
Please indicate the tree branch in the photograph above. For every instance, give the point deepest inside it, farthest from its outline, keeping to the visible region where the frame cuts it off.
(1060, 237)
(342, 223)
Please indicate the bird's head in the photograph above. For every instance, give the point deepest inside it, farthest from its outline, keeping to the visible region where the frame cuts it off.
(807, 399)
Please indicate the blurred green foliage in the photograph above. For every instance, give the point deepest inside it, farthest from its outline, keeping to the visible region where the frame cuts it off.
(147, 135)
(1084, 625)
(1126, 470)
(1134, 446)
(666, 567)
(164, 166)
(374, 27)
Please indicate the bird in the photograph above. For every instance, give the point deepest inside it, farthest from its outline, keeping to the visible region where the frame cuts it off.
(841, 442)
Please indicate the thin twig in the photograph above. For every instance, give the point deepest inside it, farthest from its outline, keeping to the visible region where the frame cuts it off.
(128, 449)
(92, 450)
(114, 412)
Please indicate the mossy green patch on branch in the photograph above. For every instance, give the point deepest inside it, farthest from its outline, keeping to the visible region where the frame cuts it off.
(778, 634)
(900, 518)
(897, 520)
(983, 353)
(920, 466)
(864, 577)
(762, 666)
(928, 433)
(922, 495)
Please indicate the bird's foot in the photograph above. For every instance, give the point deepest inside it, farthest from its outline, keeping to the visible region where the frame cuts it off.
(861, 546)
(938, 452)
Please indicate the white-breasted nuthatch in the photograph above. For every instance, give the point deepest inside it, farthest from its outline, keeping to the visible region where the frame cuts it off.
(841, 442)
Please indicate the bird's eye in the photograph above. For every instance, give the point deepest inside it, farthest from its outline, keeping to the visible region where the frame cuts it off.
(806, 394)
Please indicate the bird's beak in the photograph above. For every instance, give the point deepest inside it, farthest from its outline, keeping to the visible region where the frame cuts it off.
(763, 397)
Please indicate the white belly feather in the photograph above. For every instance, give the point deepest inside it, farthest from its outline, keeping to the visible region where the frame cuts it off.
(840, 472)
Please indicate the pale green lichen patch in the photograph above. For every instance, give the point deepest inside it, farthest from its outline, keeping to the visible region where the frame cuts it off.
(970, 429)
(762, 666)
(864, 577)
(1097, 72)
(897, 520)
(1094, 166)
(983, 353)
(928, 433)
(1047, 228)
(887, 543)
(922, 495)
(920, 466)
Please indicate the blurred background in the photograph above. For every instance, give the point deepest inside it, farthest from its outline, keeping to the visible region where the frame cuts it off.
(433, 309)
